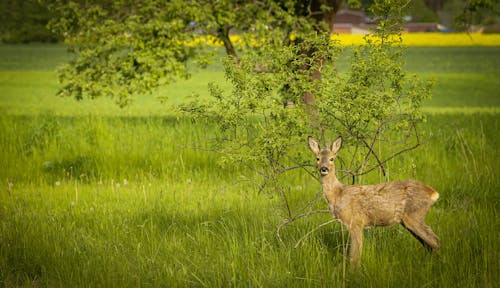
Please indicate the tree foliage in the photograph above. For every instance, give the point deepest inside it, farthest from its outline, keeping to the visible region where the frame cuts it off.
(124, 48)
(476, 12)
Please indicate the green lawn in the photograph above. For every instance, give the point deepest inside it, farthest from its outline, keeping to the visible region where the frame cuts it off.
(464, 76)
(94, 195)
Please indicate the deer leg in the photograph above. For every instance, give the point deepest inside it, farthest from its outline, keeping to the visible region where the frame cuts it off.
(356, 249)
(422, 232)
(434, 239)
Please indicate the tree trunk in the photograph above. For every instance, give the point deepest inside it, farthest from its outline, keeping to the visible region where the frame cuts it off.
(321, 16)
(223, 33)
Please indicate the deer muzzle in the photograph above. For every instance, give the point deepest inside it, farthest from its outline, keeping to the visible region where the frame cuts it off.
(324, 170)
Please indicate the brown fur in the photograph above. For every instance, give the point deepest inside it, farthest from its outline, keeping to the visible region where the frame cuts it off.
(385, 204)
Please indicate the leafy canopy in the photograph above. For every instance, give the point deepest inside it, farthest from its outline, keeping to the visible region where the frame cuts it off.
(125, 48)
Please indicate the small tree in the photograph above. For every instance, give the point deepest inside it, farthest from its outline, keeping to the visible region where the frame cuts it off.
(264, 119)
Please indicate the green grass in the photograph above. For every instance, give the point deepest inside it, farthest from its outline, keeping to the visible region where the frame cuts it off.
(465, 76)
(93, 195)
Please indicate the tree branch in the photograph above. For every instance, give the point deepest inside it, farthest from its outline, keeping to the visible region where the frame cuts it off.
(370, 148)
(291, 220)
(313, 230)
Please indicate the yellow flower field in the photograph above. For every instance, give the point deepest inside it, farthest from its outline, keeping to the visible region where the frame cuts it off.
(431, 39)
(410, 39)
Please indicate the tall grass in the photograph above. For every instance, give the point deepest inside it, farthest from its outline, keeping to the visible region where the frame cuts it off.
(92, 196)
(92, 201)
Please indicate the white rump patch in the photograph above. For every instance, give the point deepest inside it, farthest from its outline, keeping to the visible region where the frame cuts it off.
(435, 196)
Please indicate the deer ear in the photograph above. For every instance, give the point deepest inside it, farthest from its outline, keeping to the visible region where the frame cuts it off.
(336, 145)
(313, 145)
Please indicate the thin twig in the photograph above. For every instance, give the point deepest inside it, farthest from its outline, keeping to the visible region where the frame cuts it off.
(397, 153)
(286, 169)
(303, 167)
(296, 217)
(312, 231)
(344, 257)
(370, 148)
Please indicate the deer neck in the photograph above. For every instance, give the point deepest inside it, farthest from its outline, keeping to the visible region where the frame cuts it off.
(331, 187)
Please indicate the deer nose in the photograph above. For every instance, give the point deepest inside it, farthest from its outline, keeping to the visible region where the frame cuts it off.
(323, 170)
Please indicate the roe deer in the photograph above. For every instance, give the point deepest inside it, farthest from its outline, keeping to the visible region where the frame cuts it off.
(385, 204)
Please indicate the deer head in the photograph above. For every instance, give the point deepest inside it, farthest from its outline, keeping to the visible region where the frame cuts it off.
(325, 157)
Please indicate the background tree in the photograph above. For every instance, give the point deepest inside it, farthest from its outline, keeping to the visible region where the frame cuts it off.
(474, 12)
(25, 21)
(421, 12)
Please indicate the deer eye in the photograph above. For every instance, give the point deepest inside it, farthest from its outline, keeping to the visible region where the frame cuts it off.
(331, 159)
(317, 159)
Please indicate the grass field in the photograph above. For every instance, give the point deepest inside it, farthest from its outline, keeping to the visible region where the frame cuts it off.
(92, 195)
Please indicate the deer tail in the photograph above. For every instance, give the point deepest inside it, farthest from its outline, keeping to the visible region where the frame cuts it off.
(434, 195)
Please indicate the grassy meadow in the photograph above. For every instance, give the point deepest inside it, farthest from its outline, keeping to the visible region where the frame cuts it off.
(92, 195)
